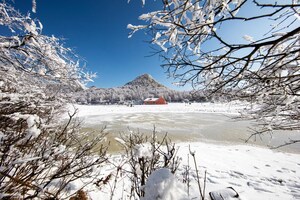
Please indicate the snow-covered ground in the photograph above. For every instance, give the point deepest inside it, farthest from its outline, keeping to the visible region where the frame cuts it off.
(224, 108)
(254, 172)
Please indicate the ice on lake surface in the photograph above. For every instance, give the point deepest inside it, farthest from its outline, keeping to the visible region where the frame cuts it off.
(186, 126)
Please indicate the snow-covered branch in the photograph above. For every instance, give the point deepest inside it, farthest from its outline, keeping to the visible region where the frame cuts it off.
(263, 69)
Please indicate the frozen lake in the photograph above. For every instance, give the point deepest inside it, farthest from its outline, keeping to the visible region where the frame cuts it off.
(188, 123)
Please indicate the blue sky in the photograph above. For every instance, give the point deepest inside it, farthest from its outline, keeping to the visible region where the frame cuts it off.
(97, 31)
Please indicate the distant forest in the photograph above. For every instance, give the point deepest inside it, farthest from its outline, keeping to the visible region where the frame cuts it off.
(142, 87)
(135, 95)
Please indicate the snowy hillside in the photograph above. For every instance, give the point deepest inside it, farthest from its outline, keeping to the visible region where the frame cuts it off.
(135, 91)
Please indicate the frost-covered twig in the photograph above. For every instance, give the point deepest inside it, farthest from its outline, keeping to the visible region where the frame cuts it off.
(202, 193)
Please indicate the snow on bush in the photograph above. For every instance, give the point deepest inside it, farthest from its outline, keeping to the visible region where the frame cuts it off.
(163, 185)
(144, 155)
(142, 151)
(37, 148)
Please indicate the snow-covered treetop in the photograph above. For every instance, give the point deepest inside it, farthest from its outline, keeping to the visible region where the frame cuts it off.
(190, 39)
(28, 50)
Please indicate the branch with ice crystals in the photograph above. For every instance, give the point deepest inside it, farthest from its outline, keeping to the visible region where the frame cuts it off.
(17, 22)
(143, 2)
(248, 38)
(33, 52)
(181, 20)
(25, 159)
(134, 29)
(34, 6)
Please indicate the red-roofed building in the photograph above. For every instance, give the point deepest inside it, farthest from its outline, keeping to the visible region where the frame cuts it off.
(155, 101)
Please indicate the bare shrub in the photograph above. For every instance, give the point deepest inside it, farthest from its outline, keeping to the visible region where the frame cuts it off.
(145, 155)
(40, 157)
(80, 195)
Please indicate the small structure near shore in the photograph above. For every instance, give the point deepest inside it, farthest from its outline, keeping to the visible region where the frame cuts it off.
(155, 101)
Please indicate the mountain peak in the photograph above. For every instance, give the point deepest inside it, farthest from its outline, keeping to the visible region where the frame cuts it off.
(145, 80)
(147, 76)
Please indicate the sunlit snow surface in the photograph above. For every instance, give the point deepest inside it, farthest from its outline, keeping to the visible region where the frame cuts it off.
(254, 172)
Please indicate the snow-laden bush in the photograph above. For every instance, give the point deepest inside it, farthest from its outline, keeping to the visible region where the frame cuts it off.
(145, 155)
(40, 155)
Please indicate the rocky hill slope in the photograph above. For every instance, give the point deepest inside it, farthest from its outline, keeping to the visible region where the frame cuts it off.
(146, 81)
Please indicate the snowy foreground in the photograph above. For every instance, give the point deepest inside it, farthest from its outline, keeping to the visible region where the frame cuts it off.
(254, 172)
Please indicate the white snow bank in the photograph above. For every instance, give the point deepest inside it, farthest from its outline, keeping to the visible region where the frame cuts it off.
(224, 108)
(254, 173)
(163, 185)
